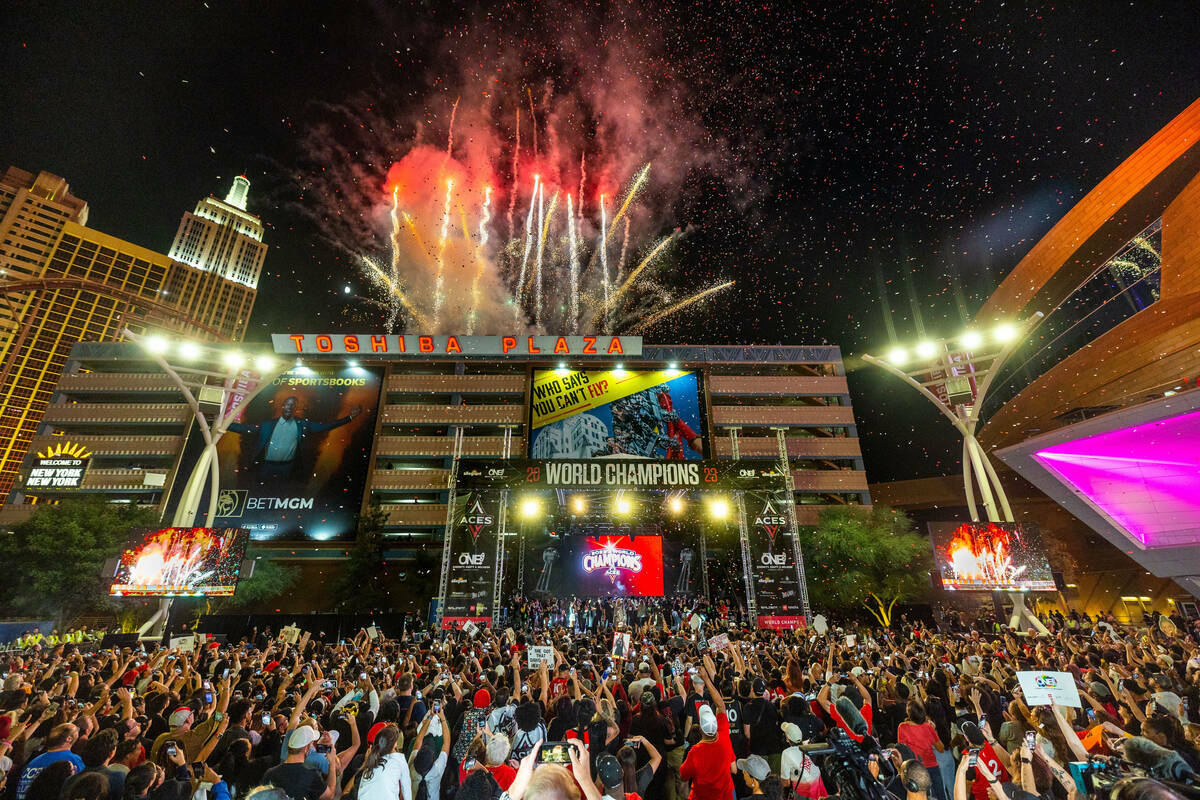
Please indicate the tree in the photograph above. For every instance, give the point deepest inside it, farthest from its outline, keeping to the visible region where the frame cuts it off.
(362, 585)
(54, 560)
(865, 555)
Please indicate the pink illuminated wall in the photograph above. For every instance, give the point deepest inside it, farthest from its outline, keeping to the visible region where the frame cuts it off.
(1145, 479)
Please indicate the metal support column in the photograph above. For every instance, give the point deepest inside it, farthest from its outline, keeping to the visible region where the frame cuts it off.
(501, 535)
(444, 578)
(793, 523)
(739, 500)
(735, 449)
(704, 562)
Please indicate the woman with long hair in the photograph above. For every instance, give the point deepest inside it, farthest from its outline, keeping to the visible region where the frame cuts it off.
(384, 773)
(637, 781)
(919, 734)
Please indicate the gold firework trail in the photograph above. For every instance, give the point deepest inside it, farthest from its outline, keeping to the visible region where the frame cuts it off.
(666, 312)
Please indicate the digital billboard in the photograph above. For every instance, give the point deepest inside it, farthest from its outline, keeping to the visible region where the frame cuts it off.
(615, 413)
(990, 556)
(295, 465)
(171, 562)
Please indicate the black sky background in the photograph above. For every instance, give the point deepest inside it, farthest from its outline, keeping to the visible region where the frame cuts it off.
(887, 164)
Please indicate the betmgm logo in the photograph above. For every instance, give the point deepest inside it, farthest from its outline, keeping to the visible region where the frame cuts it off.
(232, 502)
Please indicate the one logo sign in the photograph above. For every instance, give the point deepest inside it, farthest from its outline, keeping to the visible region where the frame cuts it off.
(59, 466)
(471, 559)
(232, 502)
(1045, 681)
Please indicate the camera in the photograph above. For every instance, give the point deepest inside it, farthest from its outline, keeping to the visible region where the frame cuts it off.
(846, 766)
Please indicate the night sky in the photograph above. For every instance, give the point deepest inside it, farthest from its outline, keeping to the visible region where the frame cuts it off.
(857, 168)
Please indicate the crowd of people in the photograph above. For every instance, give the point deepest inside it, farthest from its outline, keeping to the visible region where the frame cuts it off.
(643, 701)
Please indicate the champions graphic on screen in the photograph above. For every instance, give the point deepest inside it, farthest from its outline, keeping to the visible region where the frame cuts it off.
(612, 559)
(295, 464)
(181, 561)
(990, 556)
(616, 414)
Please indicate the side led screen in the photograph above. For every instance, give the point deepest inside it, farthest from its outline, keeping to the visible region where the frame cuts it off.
(1144, 479)
(990, 556)
(181, 562)
(615, 413)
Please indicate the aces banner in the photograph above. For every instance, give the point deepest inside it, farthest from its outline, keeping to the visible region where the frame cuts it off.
(773, 567)
(472, 570)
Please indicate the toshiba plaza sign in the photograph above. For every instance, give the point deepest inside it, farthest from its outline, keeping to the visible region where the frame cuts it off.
(397, 346)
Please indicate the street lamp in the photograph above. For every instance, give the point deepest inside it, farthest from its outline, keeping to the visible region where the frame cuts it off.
(198, 377)
(955, 375)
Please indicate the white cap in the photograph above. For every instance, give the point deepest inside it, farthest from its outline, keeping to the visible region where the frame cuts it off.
(708, 721)
(302, 737)
(793, 733)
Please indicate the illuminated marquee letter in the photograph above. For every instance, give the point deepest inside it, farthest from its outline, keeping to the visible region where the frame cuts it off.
(298, 338)
(533, 348)
(560, 345)
(589, 345)
(350, 343)
(508, 343)
(324, 344)
(615, 346)
(378, 344)
(452, 345)
(425, 343)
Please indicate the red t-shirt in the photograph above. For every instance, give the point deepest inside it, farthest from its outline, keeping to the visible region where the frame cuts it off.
(921, 739)
(707, 766)
(987, 755)
(504, 775)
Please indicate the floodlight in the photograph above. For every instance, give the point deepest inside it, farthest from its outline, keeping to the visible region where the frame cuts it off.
(189, 350)
(897, 356)
(718, 509)
(578, 504)
(673, 365)
(233, 359)
(622, 506)
(971, 340)
(1005, 333)
(264, 363)
(675, 505)
(352, 363)
(156, 344)
(926, 349)
(530, 507)
(562, 365)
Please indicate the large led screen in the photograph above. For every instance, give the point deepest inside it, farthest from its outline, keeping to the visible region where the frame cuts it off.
(601, 566)
(295, 465)
(615, 414)
(990, 556)
(176, 562)
(1145, 478)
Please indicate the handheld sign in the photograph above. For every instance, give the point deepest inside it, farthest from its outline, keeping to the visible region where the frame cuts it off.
(540, 654)
(1044, 688)
(718, 642)
(820, 625)
(470, 628)
(372, 632)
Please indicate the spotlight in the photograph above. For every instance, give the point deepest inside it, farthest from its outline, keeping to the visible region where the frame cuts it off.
(530, 507)
(264, 363)
(189, 350)
(1005, 333)
(926, 349)
(352, 363)
(578, 504)
(618, 367)
(156, 344)
(233, 360)
(622, 506)
(562, 365)
(673, 365)
(897, 355)
(345, 290)
(675, 505)
(971, 340)
(719, 508)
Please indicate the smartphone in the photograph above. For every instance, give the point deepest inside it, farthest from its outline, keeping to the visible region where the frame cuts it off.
(362, 676)
(172, 750)
(198, 769)
(437, 706)
(524, 688)
(1091, 715)
(225, 674)
(482, 723)
(208, 697)
(418, 694)
(207, 685)
(468, 765)
(322, 748)
(972, 760)
(1030, 740)
(632, 743)
(554, 753)
(266, 719)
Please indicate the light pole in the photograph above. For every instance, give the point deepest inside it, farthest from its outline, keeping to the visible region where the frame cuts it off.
(955, 375)
(233, 390)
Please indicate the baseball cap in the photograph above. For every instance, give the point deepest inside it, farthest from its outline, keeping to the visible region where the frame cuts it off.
(758, 687)
(608, 769)
(302, 737)
(754, 766)
(708, 721)
(179, 716)
(375, 729)
(793, 733)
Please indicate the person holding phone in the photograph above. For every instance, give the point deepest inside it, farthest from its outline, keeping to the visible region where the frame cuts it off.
(384, 774)
(708, 762)
(918, 733)
(427, 764)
